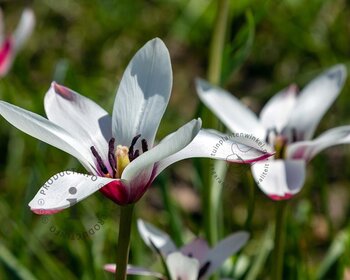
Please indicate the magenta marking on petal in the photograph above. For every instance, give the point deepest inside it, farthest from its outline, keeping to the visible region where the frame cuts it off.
(5, 54)
(299, 153)
(45, 211)
(278, 197)
(292, 89)
(110, 268)
(260, 158)
(117, 192)
(63, 91)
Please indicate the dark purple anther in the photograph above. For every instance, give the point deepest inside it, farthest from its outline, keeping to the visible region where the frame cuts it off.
(269, 130)
(144, 145)
(99, 160)
(131, 148)
(203, 269)
(294, 135)
(136, 154)
(111, 157)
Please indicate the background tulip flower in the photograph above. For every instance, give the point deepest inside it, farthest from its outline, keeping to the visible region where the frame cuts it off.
(118, 151)
(195, 260)
(287, 122)
(11, 44)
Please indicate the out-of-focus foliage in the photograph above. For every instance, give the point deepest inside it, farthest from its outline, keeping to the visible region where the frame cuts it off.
(86, 45)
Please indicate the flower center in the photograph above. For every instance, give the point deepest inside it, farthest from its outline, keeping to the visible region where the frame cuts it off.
(118, 158)
(280, 140)
(122, 156)
(280, 146)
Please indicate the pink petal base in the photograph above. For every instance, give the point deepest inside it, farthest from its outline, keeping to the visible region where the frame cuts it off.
(278, 197)
(117, 192)
(123, 194)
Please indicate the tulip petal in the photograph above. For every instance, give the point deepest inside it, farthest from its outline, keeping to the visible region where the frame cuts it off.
(308, 149)
(143, 94)
(139, 172)
(81, 117)
(44, 130)
(279, 179)
(197, 249)
(24, 29)
(314, 100)
(65, 189)
(215, 145)
(224, 249)
(6, 56)
(134, 270)
(279, 108)
(236, 116)
(155, 238)
(182, 267)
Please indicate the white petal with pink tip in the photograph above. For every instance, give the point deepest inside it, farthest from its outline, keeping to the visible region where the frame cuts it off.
(308, 149)
(134, 270)
(279, 179)
(81, 117)
(215, 145)
(64, 190)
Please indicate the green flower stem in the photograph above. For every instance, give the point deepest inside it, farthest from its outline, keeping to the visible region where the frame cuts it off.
(214, 74)
(218, 42)
(280, 234)
(123, 245)
(251, 203)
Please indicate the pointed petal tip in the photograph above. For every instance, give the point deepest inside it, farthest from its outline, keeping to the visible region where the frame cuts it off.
(202, 85)
(157, 40)
(158, 44)
(29, 13)
(293, 88)
(110, 268)
(45, 211)
(62, 91)
(198, 124)
(244, 234)
(338, 72)
(140, 222)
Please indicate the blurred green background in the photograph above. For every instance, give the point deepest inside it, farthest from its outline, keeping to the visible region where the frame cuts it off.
(86, 46)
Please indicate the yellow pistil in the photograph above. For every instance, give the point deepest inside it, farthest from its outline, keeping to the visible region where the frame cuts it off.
(122, 159)
(280, 144)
